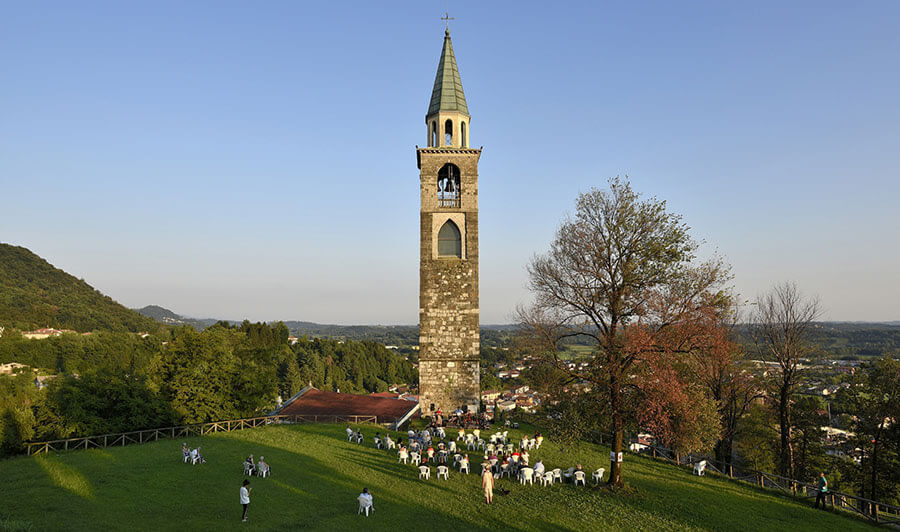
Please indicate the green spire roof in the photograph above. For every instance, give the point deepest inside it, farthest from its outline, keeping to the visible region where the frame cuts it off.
(447, 94)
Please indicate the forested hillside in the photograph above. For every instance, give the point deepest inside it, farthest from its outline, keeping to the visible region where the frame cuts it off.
(34, 294)
(112, 382)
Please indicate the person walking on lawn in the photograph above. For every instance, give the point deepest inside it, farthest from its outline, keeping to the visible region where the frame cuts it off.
(823, 490)
(487, 482)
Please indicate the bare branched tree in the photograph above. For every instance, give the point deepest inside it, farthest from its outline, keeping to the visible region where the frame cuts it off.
(621, 274)
(780, 326)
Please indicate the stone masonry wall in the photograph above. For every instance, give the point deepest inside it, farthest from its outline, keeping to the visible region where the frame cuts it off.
(448, 289)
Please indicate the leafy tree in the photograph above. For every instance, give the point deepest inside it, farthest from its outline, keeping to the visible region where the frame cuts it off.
(622, 276)
(103, 401)
(809, 417)
(875, 398)
(17, 394)
(729, 382)
(756, 443)
(194, 374)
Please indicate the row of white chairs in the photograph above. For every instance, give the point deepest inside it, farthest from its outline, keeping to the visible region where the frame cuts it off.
(527, 475)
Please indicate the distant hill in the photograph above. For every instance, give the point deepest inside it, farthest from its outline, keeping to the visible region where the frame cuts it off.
(399, 335)
(848, 340)
(34, 294)
(167, 317)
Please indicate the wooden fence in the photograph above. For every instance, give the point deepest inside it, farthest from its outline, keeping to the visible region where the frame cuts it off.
(143, 436)
(875, 511)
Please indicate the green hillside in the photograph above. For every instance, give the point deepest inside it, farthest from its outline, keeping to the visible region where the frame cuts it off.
(35, 294)
(317, 475)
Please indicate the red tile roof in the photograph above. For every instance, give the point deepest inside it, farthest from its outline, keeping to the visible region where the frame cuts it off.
(322, 403)
(391, 395)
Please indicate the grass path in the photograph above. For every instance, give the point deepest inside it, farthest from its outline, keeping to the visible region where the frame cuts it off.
(317, 475)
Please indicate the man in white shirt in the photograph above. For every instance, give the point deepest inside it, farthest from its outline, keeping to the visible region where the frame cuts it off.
(539, 468)
(245, 498)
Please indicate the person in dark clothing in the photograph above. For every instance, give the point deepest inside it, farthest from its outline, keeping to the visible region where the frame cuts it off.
(823, 490)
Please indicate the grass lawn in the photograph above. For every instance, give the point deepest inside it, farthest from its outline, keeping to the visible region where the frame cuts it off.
(317, 474)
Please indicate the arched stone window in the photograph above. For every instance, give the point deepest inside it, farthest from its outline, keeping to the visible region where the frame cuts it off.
(448, 133)
(462, 135)
(434, 135)
(448, 185)
(449, 240)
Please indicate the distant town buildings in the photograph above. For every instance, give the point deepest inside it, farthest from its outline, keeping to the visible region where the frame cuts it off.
(46, 332)
(11, 368)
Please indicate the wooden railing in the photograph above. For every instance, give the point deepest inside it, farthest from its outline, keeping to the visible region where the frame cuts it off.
(143, 436)
(875, 511)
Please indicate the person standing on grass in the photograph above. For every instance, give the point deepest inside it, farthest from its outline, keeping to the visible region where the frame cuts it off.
(487, 482)
(245, 498)
(823, 490)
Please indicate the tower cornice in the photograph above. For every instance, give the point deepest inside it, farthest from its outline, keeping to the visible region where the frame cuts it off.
(447, 151)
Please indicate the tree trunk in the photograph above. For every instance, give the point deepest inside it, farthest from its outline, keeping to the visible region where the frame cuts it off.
(874, 470)
(724, 448)
(615, 467)
(785, 454)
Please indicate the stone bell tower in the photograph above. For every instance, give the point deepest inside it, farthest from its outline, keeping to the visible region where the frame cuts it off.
(449, 342)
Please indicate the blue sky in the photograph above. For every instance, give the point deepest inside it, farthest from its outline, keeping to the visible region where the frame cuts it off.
(238, 159)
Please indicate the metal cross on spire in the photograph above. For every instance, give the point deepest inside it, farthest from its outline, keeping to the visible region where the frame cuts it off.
(447, 18)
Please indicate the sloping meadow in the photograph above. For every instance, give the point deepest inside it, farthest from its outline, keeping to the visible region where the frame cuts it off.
(317, 474)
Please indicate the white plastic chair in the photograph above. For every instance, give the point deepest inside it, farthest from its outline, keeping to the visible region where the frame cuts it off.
(598, 475)
(364, 505)
(568, 474)
(538, 442)
(579, 477)
(263, 472)
(424, 472)
(390, 443)
(557, 474)
(443, 471)
(464, 466)
(403, 457)
(547, 478)
(452, 446)
(700, 468)
(526, 474)
(415, 457)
